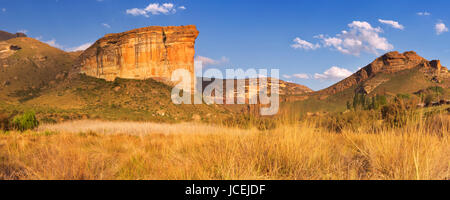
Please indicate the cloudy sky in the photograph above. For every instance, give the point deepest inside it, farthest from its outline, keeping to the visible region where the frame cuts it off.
(315, 43)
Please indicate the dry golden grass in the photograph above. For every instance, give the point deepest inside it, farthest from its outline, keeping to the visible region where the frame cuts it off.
(135, 128)
(289, 152)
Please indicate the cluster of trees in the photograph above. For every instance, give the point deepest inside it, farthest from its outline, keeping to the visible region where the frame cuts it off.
(364, 102)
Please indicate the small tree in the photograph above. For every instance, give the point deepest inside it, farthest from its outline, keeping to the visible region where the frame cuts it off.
(429, 99)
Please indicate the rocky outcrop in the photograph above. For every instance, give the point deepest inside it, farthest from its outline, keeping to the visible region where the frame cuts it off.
(150, 52)
(6, 36)
(391, 62)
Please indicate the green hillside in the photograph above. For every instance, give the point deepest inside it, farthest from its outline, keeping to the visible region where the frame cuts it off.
(28, 66)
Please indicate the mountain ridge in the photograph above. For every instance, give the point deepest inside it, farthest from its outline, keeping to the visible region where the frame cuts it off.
(389, 63)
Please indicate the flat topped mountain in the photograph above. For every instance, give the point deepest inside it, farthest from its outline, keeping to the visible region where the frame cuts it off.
(389, 63)
(150, 52)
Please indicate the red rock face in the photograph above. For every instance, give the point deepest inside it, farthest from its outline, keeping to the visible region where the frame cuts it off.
(150, 52)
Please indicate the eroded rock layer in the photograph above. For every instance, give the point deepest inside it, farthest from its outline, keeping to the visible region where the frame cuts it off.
(150, 52)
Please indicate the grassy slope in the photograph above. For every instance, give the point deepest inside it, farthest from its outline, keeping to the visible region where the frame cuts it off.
(32, 75)
(149, 100)
(403, 82)
(31, 69)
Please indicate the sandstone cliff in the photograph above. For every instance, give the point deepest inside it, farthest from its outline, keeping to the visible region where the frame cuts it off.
(389, 63)
(150, 52)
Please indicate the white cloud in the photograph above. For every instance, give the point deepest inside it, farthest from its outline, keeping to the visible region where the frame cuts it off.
(302, 44)
(54, 44)
(334, 73)
(81, 47)
(3, 9)
(155, 9)
(301, 76)
(361, 37)
(106, 25)
(440, 28)
(423, 13)
(394, 24)
(209, 61)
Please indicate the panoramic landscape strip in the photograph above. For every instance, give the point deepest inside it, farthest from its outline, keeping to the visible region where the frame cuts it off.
(195, 90)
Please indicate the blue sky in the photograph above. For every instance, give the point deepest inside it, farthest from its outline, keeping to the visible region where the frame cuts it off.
(253, 33)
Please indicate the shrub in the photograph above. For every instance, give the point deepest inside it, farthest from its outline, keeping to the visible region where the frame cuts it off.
(364, 102)
(399, 112)
(429, 99)
(25, 121)
(355, 121)
(248, 122)
(4, 122)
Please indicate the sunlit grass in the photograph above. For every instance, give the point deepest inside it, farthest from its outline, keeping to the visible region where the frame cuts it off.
(193, 151)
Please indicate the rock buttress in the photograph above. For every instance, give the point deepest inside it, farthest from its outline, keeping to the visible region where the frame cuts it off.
(150, 52)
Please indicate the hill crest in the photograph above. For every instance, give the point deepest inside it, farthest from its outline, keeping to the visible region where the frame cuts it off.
(7, 36)
(389, 63)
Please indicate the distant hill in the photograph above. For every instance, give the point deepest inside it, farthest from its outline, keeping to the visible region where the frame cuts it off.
(28, 66)
(6, 36)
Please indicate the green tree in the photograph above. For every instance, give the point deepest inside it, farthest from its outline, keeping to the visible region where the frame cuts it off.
(25, 121)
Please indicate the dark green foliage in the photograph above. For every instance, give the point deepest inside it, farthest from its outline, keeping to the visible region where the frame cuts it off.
(26, 121)
(363, 102)
(436, 89)
(249, 121)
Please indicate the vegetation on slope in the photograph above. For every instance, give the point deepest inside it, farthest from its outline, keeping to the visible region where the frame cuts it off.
(33, 67)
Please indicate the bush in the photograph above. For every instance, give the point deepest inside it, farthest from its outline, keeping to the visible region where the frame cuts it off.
(436, 89)
(26, 121)
(399, 112)
(429, 99)
(359, 120)
(266, 124)
(4, 122)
